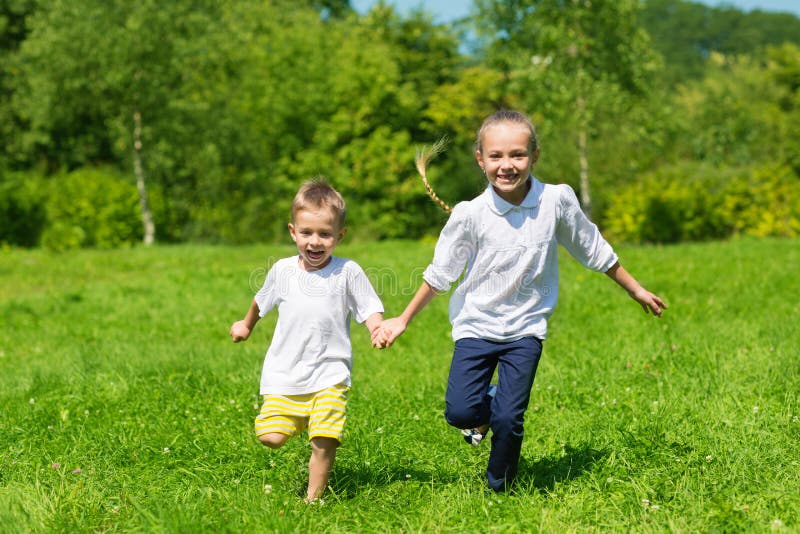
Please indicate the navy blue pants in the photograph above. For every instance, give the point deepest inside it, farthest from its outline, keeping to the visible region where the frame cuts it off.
(468, 406)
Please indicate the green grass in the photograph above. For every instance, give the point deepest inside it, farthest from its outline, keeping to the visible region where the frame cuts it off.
(118, 364)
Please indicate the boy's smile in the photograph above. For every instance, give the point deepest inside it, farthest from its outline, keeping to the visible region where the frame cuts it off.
(316, 234)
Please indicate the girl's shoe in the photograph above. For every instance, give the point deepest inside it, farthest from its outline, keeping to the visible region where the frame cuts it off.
(472, 436)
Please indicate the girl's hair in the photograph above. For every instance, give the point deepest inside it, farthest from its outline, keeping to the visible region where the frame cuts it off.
(505, 115)
(425, 154)
(318, 193)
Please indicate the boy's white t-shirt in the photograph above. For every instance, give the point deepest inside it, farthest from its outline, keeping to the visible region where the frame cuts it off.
(310, 349)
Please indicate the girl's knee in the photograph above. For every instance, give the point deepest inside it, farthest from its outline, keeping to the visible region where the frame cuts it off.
(273, 440)
(464, 417)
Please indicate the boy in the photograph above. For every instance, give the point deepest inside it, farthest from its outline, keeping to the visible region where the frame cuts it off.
(306, 372)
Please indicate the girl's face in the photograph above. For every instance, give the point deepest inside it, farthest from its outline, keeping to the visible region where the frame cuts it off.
(506, 159)
(316, 233)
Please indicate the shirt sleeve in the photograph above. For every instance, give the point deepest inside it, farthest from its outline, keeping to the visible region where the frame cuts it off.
(580, 236)
(454, 250)
(266, 296)
(362, 298)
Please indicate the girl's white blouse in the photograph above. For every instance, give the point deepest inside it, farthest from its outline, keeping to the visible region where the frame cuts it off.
(507, 255)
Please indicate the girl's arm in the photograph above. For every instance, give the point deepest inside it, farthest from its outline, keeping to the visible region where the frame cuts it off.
(648, 301)
(240, 330)
(391, 329)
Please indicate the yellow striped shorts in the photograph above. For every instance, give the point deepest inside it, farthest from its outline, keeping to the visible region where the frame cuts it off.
(323, 413)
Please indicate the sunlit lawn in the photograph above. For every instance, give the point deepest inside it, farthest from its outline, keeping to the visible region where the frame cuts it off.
(125, 407)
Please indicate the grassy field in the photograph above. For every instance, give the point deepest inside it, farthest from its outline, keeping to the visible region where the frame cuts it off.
(125, 407)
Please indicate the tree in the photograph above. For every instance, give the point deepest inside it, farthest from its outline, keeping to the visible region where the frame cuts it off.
(687, 33)
(572, 61)
(13, 31)
(724, 124)
(379, 79)
(455, 110)
(96, 72)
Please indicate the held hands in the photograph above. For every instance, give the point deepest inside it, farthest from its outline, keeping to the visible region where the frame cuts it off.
(239, 331)
(389, 330)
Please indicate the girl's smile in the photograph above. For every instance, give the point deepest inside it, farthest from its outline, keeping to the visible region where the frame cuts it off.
(506, 158)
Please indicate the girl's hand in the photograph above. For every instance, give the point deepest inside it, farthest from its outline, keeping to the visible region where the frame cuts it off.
(239, 331)
(649, 301)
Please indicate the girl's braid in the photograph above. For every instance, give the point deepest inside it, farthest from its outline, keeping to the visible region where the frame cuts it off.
(424, 156)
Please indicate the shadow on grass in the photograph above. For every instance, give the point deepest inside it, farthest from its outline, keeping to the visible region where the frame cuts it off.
(539, 475)
(544, 473)
(348, 481)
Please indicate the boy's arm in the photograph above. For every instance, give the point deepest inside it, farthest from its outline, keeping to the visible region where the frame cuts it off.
(648, 301)
(391, 329)
(240, 330)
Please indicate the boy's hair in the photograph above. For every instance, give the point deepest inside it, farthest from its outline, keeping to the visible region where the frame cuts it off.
(506, 115)
(318, 193)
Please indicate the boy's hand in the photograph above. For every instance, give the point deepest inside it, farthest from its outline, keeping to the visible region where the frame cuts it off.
(239, 331)
(377, 336)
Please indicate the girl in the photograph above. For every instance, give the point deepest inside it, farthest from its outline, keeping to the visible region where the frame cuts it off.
(505, 243)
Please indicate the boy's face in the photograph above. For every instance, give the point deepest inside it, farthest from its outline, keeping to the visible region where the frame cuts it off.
(316, 233)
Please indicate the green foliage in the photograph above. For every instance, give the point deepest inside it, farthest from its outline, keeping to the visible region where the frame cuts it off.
(13, 31)
(765, 203)
(687, 33)
(725, 124)
(22, 209)
(577, 68)
(455, 110)
(729, 163)
(697, 202)
(91, 208)
(241, 101)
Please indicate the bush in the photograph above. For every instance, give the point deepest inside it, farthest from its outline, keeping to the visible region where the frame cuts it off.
(91, 208)
(697, 202)
(22, 210)
(766, 203)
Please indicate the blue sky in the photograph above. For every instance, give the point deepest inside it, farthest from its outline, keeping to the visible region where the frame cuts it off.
(444, 10)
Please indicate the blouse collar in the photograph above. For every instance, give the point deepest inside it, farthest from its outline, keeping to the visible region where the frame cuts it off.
(502, 206)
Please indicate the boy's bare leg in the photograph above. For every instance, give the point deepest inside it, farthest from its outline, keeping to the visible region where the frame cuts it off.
(273, 440)
(323, 453)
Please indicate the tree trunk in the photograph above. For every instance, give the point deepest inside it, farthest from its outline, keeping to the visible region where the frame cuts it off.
(586, 194)
(144, 203)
